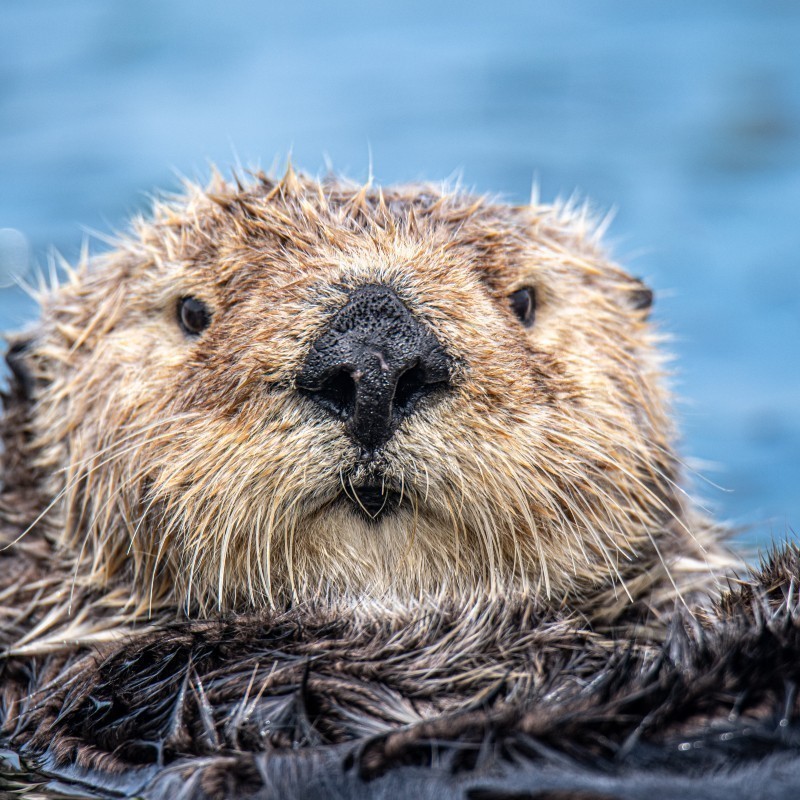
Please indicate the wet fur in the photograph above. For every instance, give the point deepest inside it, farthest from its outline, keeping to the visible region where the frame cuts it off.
(496, 703)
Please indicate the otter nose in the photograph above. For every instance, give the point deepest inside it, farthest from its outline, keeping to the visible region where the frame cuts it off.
(372, 365)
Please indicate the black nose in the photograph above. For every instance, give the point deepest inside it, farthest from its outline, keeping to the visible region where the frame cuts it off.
(372, 365)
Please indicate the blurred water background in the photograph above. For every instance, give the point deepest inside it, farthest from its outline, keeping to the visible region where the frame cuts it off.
(685, 116)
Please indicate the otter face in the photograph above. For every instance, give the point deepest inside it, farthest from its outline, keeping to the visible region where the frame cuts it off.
(293, 389)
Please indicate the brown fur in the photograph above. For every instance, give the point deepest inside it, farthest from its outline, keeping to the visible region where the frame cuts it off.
(145, 472)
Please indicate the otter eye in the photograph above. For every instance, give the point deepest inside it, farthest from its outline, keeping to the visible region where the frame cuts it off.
(193, 315)
(523, 304)
(641, 296)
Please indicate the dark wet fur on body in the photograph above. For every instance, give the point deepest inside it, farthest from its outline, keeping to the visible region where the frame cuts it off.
(311, 704)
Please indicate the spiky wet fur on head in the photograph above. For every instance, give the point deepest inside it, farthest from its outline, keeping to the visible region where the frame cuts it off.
(190, 470)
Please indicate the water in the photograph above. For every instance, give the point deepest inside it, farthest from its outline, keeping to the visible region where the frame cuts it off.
(685, 116)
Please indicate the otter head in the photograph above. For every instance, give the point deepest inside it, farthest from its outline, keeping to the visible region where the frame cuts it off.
(294, 389)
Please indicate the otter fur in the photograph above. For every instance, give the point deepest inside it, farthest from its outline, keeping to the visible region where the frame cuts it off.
(492, 702)
(318, 489)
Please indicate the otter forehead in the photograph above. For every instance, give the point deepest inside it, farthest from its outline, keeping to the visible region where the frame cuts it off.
(287, 387)
(276, 236)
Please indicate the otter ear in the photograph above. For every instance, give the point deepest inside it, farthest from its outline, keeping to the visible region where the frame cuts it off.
(22, 381)
(640, 296)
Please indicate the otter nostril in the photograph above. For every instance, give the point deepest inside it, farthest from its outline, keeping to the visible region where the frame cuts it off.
(336, 393)
(408, 389)
(412, 386)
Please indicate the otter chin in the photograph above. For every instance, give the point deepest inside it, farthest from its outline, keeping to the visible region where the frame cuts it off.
(273, 391)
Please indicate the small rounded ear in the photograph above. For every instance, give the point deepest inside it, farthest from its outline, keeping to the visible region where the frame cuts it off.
(640, 295)
(22, 381)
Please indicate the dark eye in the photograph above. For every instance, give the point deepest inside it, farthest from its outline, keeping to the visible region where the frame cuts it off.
(193, 315)
(641, 296)
(523, 304)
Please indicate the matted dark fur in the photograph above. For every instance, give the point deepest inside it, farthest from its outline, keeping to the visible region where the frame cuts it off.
(200, 594)
(309, 704)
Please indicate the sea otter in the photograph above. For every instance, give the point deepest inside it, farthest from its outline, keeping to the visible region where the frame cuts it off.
(305, 478)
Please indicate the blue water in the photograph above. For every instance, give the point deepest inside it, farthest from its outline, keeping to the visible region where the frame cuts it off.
(685, 116)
